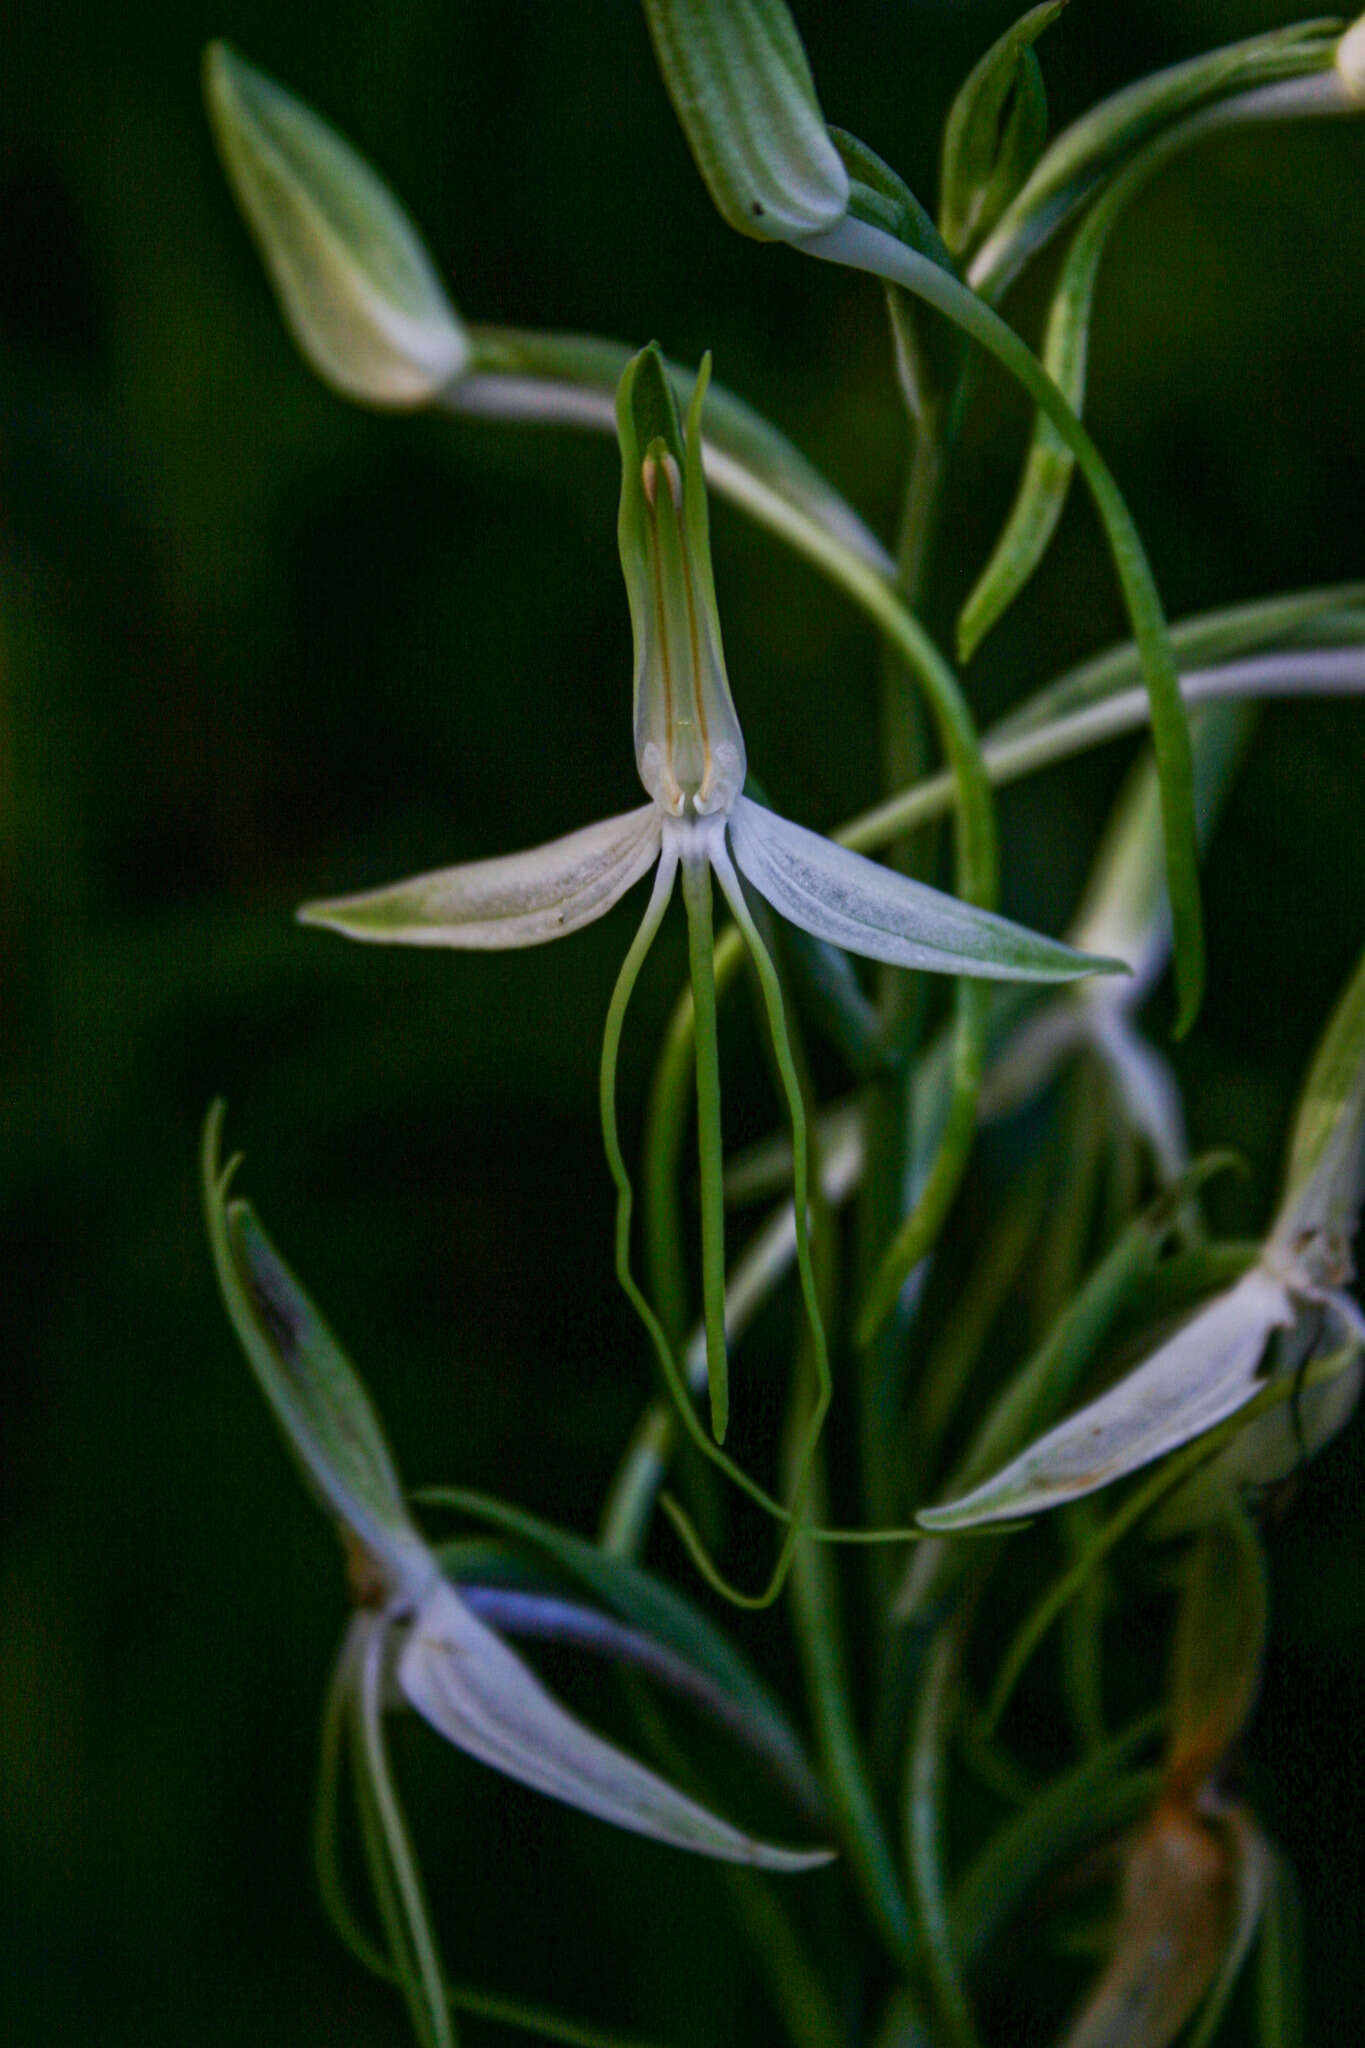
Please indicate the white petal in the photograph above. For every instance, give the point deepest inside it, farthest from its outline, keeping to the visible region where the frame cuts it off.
(477, 1693)
(519, 900)
(1204, 1374)
(856, 903)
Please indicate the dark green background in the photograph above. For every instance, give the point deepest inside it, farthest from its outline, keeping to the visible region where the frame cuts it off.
(255, 645)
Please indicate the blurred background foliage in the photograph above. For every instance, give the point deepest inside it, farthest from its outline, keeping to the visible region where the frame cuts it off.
(256, 645)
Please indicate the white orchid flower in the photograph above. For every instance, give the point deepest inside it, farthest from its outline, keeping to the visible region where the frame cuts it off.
(691, 758)
(415, 1638)
(1217, 1362)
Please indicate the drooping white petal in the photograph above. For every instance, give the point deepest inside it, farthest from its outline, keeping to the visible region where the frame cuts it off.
(856, 903)
(521, 899)
(464, 1680)
(1204, 1374)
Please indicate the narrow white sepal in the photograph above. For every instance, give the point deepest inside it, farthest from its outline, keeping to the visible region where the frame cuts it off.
(520, 899)
(464, 1680)
(853, 902)
(1207, 1371)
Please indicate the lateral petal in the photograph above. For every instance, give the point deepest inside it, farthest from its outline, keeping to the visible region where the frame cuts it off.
(464, 1680)
(521, 899)
(866, 908)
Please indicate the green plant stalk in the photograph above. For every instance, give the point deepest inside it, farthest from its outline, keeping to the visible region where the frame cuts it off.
(925, 1835)
(710, 1144)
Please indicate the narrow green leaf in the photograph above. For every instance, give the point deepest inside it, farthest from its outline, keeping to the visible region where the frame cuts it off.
(1046, 479)
(926, 1839)
(1099, 1796)
(862, 246)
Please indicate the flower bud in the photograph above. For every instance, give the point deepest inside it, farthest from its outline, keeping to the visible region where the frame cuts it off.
(355, 283)
(741, 87)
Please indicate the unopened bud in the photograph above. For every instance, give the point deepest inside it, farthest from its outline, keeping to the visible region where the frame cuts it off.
(355, 283)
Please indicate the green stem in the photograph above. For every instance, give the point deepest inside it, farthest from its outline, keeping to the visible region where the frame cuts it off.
(782, 1053)
(625, 1205)
(925, 1838)
(696, 879)
(401, 1862)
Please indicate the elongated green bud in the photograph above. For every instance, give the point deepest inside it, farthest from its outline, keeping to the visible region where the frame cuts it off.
(688, 745)
(741, 87)
(355, 283)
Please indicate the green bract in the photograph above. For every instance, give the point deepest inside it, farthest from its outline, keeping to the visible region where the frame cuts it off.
(738, 76)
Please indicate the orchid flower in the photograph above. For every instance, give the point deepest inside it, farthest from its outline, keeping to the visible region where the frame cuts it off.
(690, 754)
(1294, 1290)
(415, 1633)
